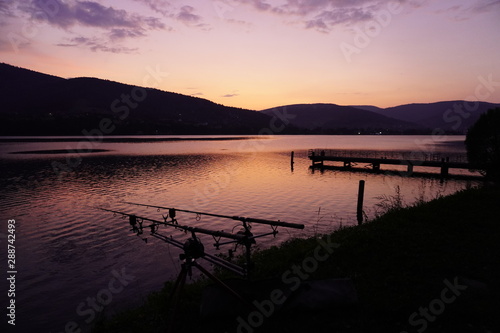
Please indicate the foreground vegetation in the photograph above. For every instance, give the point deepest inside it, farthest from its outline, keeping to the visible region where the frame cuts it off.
(399, 264)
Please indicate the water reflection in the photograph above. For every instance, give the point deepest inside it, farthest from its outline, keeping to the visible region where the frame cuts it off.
(67, 250)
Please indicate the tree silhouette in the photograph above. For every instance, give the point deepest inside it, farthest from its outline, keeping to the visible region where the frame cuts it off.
(483, 144)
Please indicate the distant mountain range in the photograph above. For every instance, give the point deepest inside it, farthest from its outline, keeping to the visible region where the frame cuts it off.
(450, 116)
(39, 104)
(336, 119)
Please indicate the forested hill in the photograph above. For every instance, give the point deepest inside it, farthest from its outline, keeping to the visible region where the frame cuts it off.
(38, 104)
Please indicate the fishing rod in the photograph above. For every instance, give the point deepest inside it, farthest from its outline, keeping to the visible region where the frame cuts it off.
(134, 219)
(236, 218)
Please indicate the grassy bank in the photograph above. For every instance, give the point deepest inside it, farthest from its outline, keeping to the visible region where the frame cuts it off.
(401, 263)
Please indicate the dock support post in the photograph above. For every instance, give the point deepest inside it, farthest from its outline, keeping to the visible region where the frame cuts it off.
(444, 168)
(361, 193)
(291, 160)
(410, 169)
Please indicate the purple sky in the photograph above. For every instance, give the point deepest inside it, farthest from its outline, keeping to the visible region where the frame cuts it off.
(263, 53)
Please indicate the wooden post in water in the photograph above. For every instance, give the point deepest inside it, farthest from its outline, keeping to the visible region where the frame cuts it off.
(444, 167)
(291, 160)
(361, 193)
(410, 169)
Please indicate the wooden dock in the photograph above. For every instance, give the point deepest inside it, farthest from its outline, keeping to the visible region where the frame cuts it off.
(379, 158)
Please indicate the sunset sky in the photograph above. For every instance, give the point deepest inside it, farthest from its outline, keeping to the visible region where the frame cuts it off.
(258, 54)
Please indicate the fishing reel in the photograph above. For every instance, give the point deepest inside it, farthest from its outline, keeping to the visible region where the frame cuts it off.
(193, 248)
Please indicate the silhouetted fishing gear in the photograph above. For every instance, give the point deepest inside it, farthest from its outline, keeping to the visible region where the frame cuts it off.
(237, 218)
(134, 219)
(246, 238)
(193, 248)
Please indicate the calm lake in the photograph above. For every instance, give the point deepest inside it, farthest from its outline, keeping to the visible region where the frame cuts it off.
(68, 253)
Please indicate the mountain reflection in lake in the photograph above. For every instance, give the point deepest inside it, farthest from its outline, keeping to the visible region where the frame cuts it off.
(68, 252)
